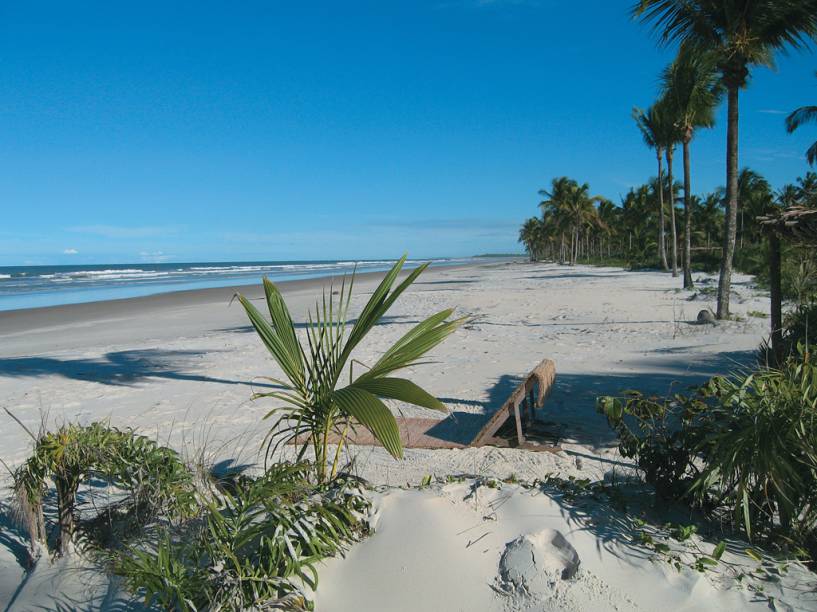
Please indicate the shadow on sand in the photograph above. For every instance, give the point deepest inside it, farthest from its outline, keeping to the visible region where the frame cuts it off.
(387, 320)
(571, 406)
(120, 368)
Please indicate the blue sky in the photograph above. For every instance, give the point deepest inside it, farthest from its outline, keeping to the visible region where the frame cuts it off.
(189, 131)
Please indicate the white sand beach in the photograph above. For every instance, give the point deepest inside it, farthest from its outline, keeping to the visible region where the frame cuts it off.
(181, 367)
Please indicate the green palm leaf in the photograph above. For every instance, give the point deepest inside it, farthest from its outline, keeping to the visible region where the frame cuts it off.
(282, 323)
(277, 346)
(417, 342)
(399, 389)
(372, 414)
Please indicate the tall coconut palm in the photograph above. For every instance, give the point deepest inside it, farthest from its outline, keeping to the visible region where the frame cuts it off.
(755, 198)
(570, 203)
(609, 216)
(554, 213)
(531, 235)
(709, 216)
(788, 196)
(637, 212)
(739, 34)
(691, 90)
(649, 122)
(807, 185)
(804, 114)
(669, 135)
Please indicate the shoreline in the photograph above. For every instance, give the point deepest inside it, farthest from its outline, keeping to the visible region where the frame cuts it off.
(18, 326)
(132, 291)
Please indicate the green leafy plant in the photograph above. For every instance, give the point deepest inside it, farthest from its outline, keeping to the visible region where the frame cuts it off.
(761, 460)
(743, 447)
(152, 478)
(661, 434)
(250, 547)
(314, 405)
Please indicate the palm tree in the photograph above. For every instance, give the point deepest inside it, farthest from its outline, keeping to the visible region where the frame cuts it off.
(807, 185)
(609, 216)
(739, 34)
(531, 235)
(637, 212)
(570, 204)
(789, 195)
(710, 217)
(804, 114)
(554, 215)
(755, 199)
(691, 91)
(649, 123)
(670, 135)
(313, 403)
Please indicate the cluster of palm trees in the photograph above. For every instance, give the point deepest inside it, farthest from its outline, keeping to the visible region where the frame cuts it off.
(568, 228)
(689, 94)
(725, 39)
(574, 226)
(718, 43)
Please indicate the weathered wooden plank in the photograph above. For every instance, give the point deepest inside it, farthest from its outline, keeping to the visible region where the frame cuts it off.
(540, 379)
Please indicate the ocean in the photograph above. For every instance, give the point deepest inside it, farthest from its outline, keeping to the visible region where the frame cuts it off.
(37, 286)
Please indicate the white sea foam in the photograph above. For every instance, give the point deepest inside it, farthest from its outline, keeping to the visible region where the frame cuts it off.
(5, 275)
(104, 275)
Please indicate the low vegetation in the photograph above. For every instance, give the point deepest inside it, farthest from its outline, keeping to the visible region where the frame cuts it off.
(150, 479)
(742, 448)
(251, 545)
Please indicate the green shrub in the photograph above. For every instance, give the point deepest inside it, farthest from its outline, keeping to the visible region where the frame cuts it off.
(743, 448)
(152, 478)
(799, 330)
(761, 460)
(250, 546)
(662, 435)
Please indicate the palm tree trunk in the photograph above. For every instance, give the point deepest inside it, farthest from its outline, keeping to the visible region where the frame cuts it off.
(662, 246)
(776, 299)
(670, 153)
(66, 499)
(730, 229)
(742, 227)
(688, 284)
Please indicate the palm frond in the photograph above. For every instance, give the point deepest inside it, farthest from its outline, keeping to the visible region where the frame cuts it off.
(804, 114)
(373, 414)
(399, 389)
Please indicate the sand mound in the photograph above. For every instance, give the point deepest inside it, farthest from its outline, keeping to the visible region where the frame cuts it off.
(529, 558)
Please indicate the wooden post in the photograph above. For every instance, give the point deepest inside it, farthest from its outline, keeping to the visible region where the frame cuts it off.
(532, 404)
(776, 297)
(519, 435)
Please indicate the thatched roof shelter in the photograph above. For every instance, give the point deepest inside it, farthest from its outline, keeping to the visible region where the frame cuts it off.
(796, 224)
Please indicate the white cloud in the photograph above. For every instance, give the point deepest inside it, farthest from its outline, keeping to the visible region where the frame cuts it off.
(70, 252)
(772, 111)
